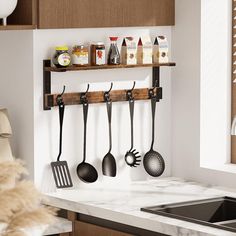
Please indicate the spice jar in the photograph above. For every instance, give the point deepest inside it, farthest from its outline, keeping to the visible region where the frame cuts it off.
(80, 55)
(98, 54)
(61, 57)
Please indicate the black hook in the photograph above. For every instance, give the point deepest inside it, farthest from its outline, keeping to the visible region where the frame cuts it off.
(60, 96)
(129, 92)
(155, 85)
(133, 86)
(83, 97)
(107, 94)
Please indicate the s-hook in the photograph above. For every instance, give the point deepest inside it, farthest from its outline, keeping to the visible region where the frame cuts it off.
(60, 96)
(107, 94)
(129, 94)
(83, 97)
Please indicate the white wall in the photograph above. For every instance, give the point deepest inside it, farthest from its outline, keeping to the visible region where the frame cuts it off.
(180, 115)
(216, 83)
(187, 39)
(16, 90)
(46, 122)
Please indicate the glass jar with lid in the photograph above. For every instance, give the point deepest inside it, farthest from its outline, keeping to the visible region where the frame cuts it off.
(61, 57)
(98, 54)
(80, 55)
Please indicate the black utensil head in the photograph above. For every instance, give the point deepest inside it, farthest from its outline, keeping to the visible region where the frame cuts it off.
(61, 174)
(154, 163)
(132, 158)
(87, 173)
(109, 165)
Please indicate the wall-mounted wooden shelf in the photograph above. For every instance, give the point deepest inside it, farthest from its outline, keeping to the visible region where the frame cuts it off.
(102, 67)
(98, 96)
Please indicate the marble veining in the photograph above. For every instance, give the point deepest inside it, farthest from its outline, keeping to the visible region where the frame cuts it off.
(60, 226)
(122, 203)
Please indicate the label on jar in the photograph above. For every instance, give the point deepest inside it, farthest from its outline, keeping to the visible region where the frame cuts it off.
(80, 58)
(64, 59)
(100, 57)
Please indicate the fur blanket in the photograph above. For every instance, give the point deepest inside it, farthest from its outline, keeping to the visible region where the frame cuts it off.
(20, 201)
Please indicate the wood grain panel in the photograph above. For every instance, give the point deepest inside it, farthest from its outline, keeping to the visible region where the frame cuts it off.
(98, 97)
(149, 13)
(86, 229)
(104, 67)
(104, 13)
(17, 27)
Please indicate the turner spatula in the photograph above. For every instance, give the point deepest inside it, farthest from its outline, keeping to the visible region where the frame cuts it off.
(60, 169)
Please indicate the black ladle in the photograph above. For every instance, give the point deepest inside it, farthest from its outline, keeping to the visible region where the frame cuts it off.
(132, 157)
(153, 162)
(85, 171)
(109, 162)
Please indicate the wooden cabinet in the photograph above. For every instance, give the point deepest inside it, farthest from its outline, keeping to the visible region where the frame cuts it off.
(86, 229)
(23, 17)
(55, 14)
(104, 13)
(84, 225)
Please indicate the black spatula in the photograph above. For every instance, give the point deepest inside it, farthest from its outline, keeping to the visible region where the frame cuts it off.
(60, 169)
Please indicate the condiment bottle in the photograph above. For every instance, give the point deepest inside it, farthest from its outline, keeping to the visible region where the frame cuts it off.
(61, 57)
(98, 54)
(113, 54)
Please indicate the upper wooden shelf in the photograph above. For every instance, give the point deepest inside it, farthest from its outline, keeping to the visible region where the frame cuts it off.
(102, 67)
(17, 27)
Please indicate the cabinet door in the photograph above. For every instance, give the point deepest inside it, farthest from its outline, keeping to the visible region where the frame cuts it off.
(86, 229)
(104, 13)
(149, 12)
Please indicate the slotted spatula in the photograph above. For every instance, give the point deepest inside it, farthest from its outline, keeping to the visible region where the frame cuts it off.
(60, 169)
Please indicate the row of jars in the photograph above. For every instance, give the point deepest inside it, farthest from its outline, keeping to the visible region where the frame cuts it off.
(80, 55)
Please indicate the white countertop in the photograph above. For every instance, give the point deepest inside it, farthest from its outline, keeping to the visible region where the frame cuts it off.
(122, 204)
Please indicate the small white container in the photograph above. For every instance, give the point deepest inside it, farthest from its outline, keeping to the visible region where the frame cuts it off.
(160, 50)
(6, 9)
(144, 54)
(129, 51)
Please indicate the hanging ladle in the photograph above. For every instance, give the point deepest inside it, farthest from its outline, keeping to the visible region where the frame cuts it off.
(85, 171)
(132, 157)
(153, 162)
(109, 162)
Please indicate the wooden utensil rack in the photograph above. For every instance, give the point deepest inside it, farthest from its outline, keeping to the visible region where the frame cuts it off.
(98, 96)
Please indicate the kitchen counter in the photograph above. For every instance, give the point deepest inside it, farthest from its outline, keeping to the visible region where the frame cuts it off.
(122, 204)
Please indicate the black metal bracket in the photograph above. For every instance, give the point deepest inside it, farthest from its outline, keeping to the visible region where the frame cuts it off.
(46, 83)
(156, 80)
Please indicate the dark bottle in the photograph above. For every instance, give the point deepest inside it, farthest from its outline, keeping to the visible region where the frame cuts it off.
(113, 54)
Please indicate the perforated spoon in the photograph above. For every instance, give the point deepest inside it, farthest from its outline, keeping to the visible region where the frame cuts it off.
(153, 162)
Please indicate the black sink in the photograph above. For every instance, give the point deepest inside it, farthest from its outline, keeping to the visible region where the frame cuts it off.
(215, 212)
